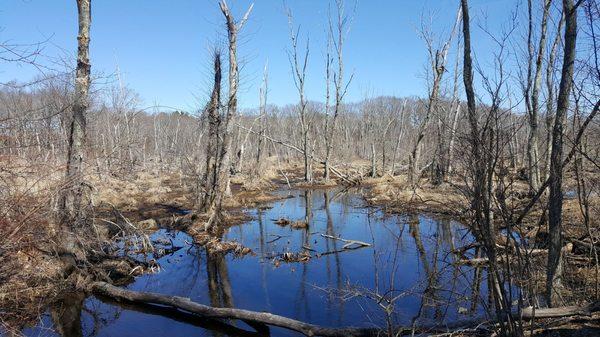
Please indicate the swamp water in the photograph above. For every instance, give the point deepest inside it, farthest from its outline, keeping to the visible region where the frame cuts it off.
(408, 267)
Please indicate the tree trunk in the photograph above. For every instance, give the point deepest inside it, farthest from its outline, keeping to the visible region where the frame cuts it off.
(210, 178)
(373, 161)
(74, 200)
(263, 123)
(554, 269)
(221, 187)
(482, 184)
(437, 60)
(550, 99)
(533, 138)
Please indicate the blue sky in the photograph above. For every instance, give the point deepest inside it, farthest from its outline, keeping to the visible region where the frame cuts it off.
(162, 47)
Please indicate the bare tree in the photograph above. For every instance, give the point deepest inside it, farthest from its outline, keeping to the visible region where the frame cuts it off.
(437, 61)
(482, 140)
(337, 36)
(220, 183)
(72, 206)
(260, 146)
(554, 269)
(299, 63)
(211, 176)
(550, 87)
(455, 109)
(532, 87)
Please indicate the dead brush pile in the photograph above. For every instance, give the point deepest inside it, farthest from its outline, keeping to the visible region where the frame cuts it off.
(29, 277)
(395, 195)
(214, 243)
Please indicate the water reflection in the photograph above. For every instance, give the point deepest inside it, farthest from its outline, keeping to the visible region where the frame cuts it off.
(66, 315)
(407, 275)
(219, 287)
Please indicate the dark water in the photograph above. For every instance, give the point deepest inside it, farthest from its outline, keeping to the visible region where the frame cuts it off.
(407, 268)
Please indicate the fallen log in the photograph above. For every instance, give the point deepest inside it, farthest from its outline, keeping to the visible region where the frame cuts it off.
(501, 257)
(183, 317)
(574, 310)
(187, 305)
(155, 301)
(349, 243)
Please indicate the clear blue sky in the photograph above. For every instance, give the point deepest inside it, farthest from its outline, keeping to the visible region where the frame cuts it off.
(162, 47)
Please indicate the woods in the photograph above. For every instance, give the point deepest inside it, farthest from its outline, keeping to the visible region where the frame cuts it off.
(487, 181)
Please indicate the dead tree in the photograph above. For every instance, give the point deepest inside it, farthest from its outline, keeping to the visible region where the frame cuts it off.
(455, 109)
(299, 64)
(533, 84)
(211, 178)
(437, 61)
(260, 147)
(337, 37)
(73, 201)
(220, 187)
(554, 268)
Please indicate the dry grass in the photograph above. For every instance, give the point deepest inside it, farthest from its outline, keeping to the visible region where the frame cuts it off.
(396, 196)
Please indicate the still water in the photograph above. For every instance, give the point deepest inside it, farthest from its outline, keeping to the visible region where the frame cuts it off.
(407, 270)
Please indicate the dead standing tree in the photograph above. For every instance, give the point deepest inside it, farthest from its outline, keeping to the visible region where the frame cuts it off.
(532, 88)
(298, 64)
(260, 146)
(218, 186)
(437, 58)
(73, 201)
(336, 37)
(211, 177)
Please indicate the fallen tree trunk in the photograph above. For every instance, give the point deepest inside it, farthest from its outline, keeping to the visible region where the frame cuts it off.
(214, 325)
(561, 311)
(186, 304)
(348, 243)
(512, 256)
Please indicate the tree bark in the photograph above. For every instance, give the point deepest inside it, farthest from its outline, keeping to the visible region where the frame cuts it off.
(533, 138)
(482, 185)
(550, 99)
(210, 179)
(73, 201)
(223, 165)
(554, 268)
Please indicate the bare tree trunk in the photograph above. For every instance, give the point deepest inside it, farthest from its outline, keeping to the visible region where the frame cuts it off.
(533, 158)
(373, 161)
(398, 139)
(73, 201)
(482, 185)
(210, 178)
(550, 99)
(299, 75)
(338, 80)
(223, 164)
(437, 59)
(554, 269)
(263, 122)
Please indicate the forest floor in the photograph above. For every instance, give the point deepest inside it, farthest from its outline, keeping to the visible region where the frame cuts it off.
(30, 278)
